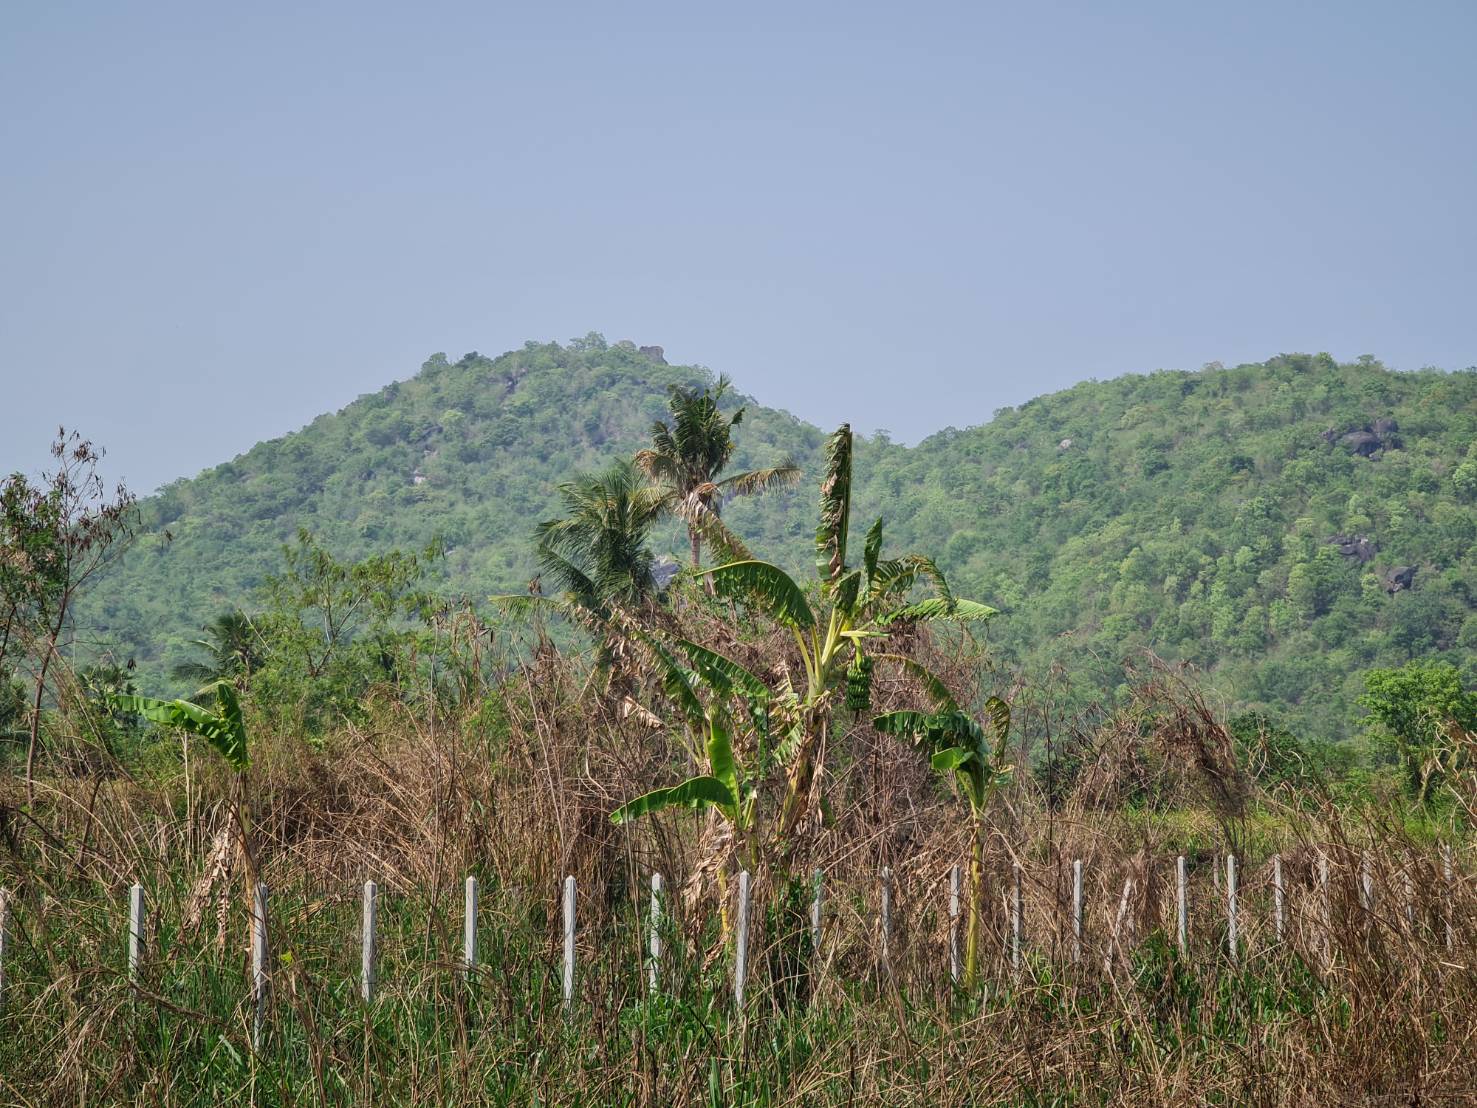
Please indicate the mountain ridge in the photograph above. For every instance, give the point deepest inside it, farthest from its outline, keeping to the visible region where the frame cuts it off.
(1186, 512)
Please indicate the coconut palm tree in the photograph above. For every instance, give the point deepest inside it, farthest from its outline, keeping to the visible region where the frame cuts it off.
(596, 552)
(688, 456)
(232, 650)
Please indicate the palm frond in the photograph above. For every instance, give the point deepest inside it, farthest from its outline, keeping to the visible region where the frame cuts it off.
(755, 481)
(696, 513)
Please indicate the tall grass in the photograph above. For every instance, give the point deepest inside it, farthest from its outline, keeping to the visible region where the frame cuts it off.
(1358, 1005)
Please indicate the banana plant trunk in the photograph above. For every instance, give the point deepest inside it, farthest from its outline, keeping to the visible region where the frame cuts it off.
(801, 777)
(976, 904)
(723, 912)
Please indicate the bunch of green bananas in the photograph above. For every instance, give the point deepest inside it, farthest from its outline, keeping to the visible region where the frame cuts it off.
(859, 683)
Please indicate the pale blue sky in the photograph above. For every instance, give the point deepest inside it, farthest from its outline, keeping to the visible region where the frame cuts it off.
(221, 220)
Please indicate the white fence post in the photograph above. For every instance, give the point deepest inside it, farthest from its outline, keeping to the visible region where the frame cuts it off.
(135, 930)
(1366, 885)
(1231, 930)
(887, 919)
(1278, 897)
(366, 947)
(1448, 900)
(1077, 911)
(469, 929)
(654, 945)
(741, 948)
(259, 975)
(1182, 903)
(569, 905)
(1016, 918)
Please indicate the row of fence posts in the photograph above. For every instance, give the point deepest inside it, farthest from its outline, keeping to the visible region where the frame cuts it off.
(260, 965)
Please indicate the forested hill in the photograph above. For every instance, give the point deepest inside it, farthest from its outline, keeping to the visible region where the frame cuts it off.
(1193, 513)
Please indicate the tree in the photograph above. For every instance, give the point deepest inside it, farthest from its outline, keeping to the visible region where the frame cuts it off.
(225, 730)
(706, 694)
(960, 749)
(688, 456)
(232, 650)
(597, 551)
(54, 538)
(858, 604)
(1422, 714)
(320, 604)
(330, 628)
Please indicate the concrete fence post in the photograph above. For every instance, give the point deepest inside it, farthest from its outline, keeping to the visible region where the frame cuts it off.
(260, 978)
(1017, 919)
(1232, 947)
(741, 945)
(1279, 896)
(469, 928)
(1182, 903)
(654, 943)
(367, 941)
(1448, 897)
(135, 930)
(569, 952)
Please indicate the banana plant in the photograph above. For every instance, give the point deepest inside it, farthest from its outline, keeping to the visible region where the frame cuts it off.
(857, 604)
(224, 729)
(705, 689)
(974, 758)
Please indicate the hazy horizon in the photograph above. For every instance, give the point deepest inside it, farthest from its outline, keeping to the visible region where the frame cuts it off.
(225, 223)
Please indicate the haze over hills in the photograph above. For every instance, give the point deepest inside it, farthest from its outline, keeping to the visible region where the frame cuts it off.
(1284, 525)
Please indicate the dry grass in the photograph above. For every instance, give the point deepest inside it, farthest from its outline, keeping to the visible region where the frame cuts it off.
(1360, 1003)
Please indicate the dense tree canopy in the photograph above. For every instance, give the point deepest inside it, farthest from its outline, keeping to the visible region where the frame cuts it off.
(1286, 526)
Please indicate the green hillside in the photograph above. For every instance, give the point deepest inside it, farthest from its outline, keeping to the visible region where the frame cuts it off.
(470, 452)
(1189, 513)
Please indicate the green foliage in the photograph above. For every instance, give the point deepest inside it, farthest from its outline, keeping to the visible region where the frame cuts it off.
(695, 792)
(1273, 755)
(687, 458)
(597, 550)
(725, 786)
(100, 684)
(1189, 515)
(231, 650)
(331, 628)
(223, 728)
(1420, 712)
(835, 522)
(13, 710)
(958, 747)
(769, 588)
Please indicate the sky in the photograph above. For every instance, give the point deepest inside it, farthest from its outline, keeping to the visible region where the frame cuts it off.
(222, 220)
